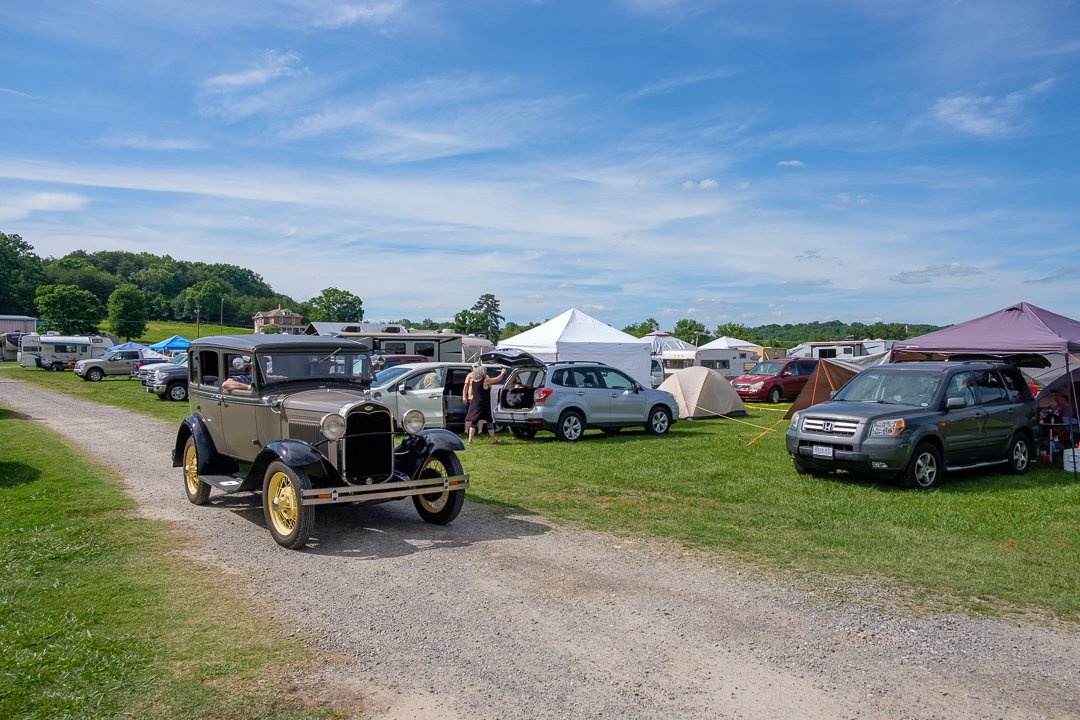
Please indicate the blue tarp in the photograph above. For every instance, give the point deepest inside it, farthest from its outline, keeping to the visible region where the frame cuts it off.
(174, 343)
(128, 346)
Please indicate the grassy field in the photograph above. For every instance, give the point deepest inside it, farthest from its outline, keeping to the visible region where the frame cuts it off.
(725, 488)
(157, 330)
(100, 616)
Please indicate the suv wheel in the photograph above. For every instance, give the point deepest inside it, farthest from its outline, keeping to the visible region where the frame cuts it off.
(94, 374)
(1019, 454)
(659, 421)
(571, 426)
(523, 433)
(176, 391)
(925, 469)
(774, 395)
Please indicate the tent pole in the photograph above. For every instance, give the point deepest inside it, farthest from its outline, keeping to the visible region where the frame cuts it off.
(1072, 401)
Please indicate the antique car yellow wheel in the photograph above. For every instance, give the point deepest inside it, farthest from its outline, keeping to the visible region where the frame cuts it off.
(197, 491)
(440, 508)
(288, 519)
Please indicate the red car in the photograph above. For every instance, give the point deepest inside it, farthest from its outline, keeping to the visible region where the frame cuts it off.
(774, 380)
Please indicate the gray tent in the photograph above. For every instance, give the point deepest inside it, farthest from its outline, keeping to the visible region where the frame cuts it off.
(702, 392)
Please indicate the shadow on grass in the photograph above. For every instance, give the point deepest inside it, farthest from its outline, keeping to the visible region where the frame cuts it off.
(14, 474)
(984, 481)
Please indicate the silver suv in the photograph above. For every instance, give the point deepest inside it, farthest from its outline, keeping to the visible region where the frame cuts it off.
(566, 398)
(916, 420)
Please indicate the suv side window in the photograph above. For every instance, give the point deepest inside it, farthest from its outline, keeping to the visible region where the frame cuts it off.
(805, 368)
(991, 389)
(615, 380)
(425, 380)
(586, 378)
(961, 385)
(561, 378)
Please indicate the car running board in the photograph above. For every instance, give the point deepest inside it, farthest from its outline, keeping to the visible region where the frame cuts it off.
(985, 463)
(224, 483)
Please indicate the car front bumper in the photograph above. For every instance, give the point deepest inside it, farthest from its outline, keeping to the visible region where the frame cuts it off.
(879, 455)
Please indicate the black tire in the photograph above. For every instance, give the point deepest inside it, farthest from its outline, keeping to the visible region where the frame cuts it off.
(197, 491)
(176, 391)
(659, 421)
(571, 426)
(925, 470)
(287, 518)
(56, 367)
(774, 395)
(523, 433)
(442, 507)
(94, 374)
(1019, 454)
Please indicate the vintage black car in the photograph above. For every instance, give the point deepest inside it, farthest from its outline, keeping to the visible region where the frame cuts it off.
(293, 417)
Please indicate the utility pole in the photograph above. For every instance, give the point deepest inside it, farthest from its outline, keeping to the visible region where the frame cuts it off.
(197, 332)
(221, 317)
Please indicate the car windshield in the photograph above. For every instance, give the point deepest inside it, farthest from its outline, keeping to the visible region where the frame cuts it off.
(766, 368)
(318, 365)
(387, 375)
(895, 388)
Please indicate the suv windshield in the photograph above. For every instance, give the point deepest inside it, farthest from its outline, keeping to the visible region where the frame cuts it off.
(767, 368)
(323, 365)
(907, 388)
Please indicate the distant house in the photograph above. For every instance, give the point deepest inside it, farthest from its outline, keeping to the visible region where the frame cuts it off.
(289, 322)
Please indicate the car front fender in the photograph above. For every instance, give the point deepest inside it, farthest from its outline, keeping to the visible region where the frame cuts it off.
(193, 427)
(415, 450)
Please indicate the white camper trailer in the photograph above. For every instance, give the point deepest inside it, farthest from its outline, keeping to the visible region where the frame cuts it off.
(57, 352)
(729, 362)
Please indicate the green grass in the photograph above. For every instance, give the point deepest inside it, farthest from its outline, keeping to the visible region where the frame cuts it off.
(985, 540)
(102, 618)
(157, 330)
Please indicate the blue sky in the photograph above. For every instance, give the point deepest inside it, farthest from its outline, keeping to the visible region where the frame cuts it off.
(752, 162)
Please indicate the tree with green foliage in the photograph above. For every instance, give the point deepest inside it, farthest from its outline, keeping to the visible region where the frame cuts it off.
(203, 300)
(513, 328)
(469, 322)
(642, 328)
(691, 331)
(333, 305)
(68, 309)
(732, 329)
(270, 330)
(127, 312)
(484, 318)
(75, 269)
(21, 272)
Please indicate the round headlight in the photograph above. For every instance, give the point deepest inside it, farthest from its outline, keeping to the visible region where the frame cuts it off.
(332, 426)
(413, 422)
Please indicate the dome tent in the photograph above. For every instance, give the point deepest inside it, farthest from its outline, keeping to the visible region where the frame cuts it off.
(702, 392)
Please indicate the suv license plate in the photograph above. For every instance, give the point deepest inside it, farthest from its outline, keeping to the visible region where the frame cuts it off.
(823, 451)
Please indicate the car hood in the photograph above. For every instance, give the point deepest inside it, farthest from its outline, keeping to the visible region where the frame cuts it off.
(321, 400)
(866, 410)
(750, 379)
(511, 357)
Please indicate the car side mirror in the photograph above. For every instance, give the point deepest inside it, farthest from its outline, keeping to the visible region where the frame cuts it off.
(401, 388)
(955, 403)
(786, 373)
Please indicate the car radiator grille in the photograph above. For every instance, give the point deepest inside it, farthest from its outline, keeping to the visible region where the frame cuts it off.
(830, 426)
(369, 444)
(306, 431)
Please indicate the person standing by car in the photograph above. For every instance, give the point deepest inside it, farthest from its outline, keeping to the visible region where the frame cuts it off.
(477, 395)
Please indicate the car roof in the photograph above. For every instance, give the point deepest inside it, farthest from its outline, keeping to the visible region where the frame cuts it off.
(939, 365)
(252, 343)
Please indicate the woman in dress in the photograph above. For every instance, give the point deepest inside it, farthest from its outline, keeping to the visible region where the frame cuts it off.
(477, 394)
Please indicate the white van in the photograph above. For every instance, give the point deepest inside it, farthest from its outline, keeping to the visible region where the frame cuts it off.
(57, 352)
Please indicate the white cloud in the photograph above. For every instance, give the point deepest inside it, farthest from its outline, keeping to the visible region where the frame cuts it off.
(18, 206)
(680, 82)
(986, 115)
(272, 65)
(348, 14)
(706, 184)
(790, 163)
(138, 141)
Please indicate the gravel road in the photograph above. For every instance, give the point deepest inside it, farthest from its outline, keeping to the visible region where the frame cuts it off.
(513, 617)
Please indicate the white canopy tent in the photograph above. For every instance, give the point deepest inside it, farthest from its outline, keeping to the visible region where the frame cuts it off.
(577, 336)
(728, 343)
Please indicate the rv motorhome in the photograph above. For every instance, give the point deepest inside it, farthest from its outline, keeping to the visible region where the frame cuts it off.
(729, 362)
(57, 352)
(435, 346)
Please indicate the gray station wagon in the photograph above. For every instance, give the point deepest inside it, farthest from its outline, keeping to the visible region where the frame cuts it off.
(916, 420)
(293, 417)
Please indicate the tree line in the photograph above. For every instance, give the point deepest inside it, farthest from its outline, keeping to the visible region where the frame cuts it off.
(74, 294)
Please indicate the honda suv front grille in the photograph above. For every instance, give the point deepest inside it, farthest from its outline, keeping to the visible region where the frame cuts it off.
(830, 426)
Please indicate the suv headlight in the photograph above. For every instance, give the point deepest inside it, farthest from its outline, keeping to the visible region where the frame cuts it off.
(332, 426)
(887, 428)
(795, 418)
(413, 422)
